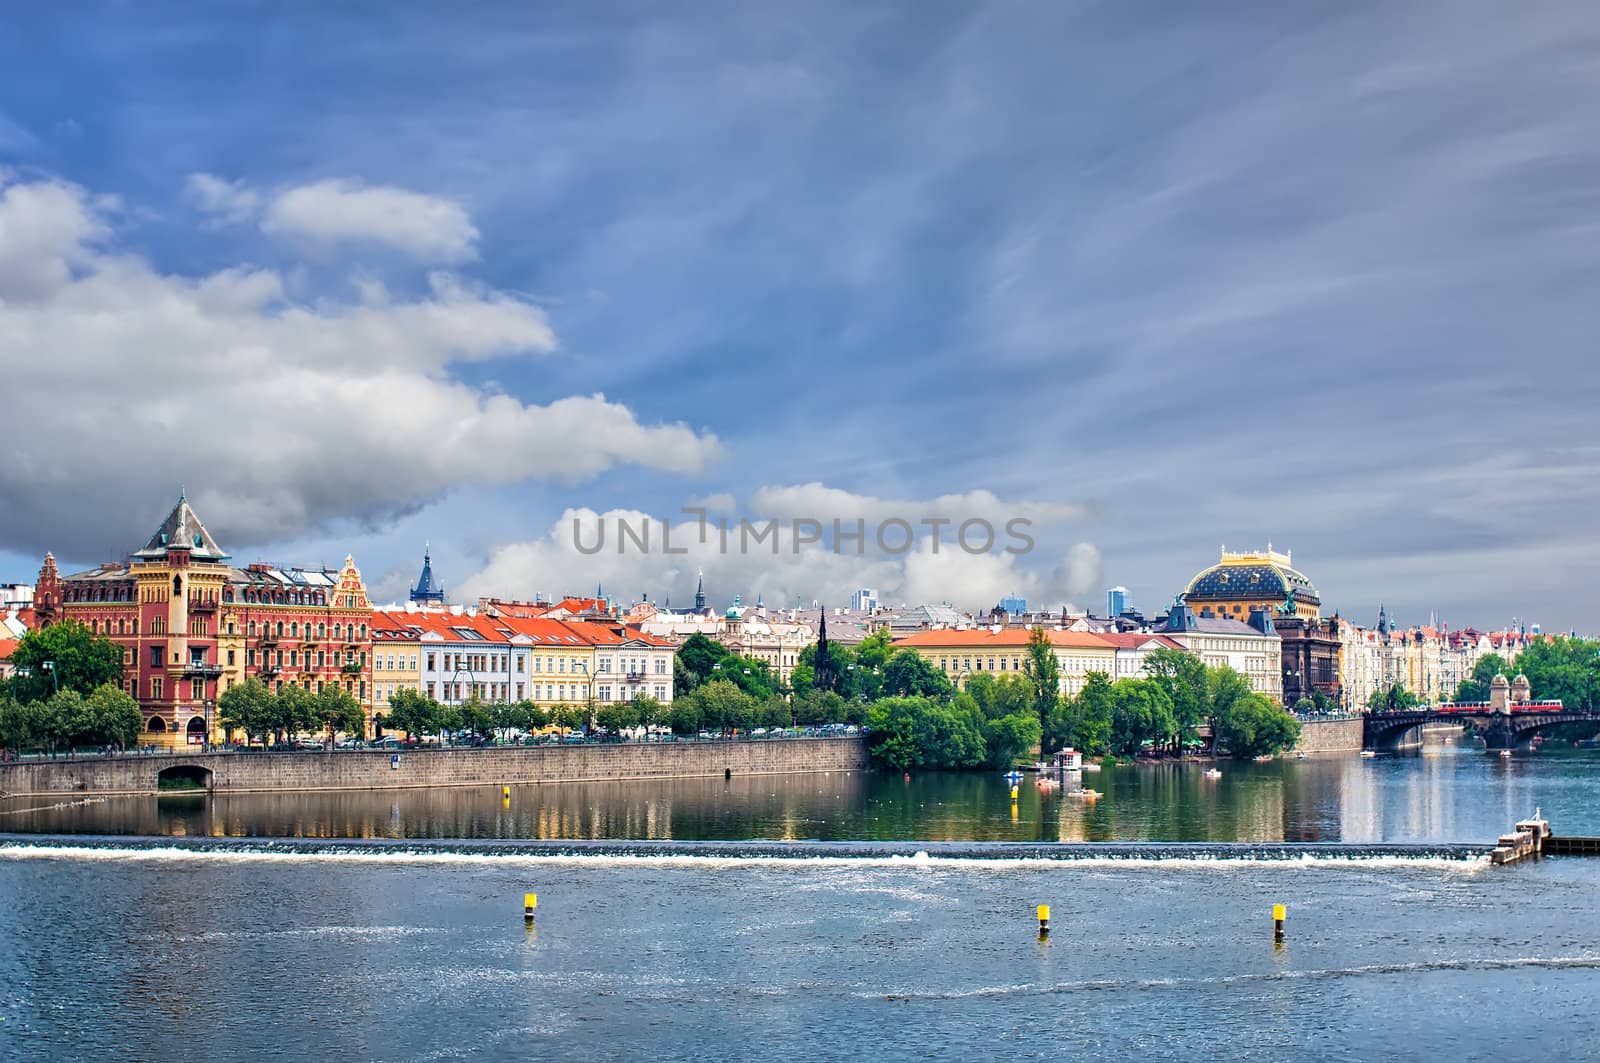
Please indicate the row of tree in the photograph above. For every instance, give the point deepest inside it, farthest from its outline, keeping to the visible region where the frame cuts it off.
(1563, 667)
(259, 712)
(68, 720)
(997, 718)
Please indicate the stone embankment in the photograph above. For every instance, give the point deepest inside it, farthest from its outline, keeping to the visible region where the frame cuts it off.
(1330, 736)
(381, 770)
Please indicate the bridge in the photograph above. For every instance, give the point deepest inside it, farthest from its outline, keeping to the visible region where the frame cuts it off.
(1500, 728)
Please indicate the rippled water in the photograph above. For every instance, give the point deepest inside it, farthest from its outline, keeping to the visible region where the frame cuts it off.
(194, 948)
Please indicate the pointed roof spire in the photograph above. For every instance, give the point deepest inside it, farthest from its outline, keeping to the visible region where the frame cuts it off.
(426, 591)
(182, 530)
(700, 591)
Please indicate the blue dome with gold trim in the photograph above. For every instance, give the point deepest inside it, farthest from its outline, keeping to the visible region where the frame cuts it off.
(1244, 577)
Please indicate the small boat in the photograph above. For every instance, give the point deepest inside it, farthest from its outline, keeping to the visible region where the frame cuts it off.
(1087, 795)
(1367, 754)
(1299, 756)
(1505, 754)
(1090, 767)
(1264, 760)
(1213, 773)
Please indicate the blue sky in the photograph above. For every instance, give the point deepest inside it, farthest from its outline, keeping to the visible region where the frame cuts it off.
(1319, 274)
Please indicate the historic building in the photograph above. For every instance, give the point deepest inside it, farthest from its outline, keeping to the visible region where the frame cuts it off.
(1244, 581)
(961, 653)
(1254, 649)
(191, 625)
(1243, 585)
(427, 592)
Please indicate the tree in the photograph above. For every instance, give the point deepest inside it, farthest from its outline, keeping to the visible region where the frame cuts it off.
(774, 712)
(723, 706)
(840, 659)
(570, 716)
(750, 675)
(78, 660)
(1224, 688)
(1393, 699)
(818, 706)
(909, 674)
(1043, 670)
(683, 680)
(651, 712)
(1182, 677)
(476, 718)
(1563, 667)
(413, 712)
(1476, 688)
(919, 732)
(868, 679)
(1090, 715)
(115, 716)
(246, 707)
(617, 716)
(1255, 726)
(1140, 713)
(698, 654)
(1008, 737)
(290, 711)
(335, 709)
(998, 697)
(683, 716)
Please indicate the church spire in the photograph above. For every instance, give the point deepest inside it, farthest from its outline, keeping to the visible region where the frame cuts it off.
(700, 591)
(426, 591)
(822, 670)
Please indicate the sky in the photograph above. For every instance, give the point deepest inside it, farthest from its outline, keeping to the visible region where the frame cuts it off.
(361, 277)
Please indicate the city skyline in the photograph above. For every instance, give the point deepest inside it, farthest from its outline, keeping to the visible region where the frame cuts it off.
(1265, 277)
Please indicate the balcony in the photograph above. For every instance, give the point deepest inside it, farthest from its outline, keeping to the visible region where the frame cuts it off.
(636, 677)
(202, 605)
(201, 670)
(351, 668)
(268, 638)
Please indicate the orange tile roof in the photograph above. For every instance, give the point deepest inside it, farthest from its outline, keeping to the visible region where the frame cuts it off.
(1005, 637)
(8, 647)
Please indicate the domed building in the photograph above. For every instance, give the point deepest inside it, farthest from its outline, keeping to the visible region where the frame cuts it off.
(1241, 582)
(1247, 589)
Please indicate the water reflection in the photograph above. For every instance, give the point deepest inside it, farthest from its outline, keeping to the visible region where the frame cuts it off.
(1457, 795)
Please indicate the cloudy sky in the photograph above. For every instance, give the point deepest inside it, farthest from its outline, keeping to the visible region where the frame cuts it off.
(1154, 280)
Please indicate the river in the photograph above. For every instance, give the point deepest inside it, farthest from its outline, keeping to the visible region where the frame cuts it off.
(221, 942)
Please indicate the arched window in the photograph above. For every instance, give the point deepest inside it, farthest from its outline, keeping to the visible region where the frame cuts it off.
(177, 586)
(319, 631)
(363, 631)
(280, 629)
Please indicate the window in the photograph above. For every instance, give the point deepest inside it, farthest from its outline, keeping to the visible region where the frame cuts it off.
(155, 688)
(661, 666)
(230, 657)
(431, 664)
(661, 693)
(155, 660)
(520, 662)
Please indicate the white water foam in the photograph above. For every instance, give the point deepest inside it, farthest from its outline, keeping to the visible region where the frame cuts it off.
(401, 856)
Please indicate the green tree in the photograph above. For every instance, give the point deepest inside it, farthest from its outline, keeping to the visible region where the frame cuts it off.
(750, 675)
(699, 654)
(477, 719)
(571, 716)
(774, 712)
(1043, 671)
(1008, 737)
(813, 707)
(867, 680)
(290, 712)
(651, 712)
(617, 716)
(1476, 688)
(919, 732)
(723, 705)
(334, 709)
(1255, 726)
(841, 658)
(246, 707)
(909, 674)
(77, 660)
(1182, 677)
(413, 712)
(1140, 712)
(683, 680)
(1392, 699)
(115, 716)
(683, 715)
(1564, 668)
(1091, 714)
(1000, 696)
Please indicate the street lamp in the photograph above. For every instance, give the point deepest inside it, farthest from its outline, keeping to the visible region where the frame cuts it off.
(50, 666)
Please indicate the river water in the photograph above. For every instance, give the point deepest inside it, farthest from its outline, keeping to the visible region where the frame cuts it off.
(222, 941)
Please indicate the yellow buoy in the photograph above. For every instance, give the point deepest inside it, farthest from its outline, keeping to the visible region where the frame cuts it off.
(1279, 913)
(1044, 919)
(530, 901)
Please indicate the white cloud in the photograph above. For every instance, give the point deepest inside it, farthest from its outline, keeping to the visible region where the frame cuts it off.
(820, 502)
(326, 213)
(225, 202)
(572, 557)
(123, 382)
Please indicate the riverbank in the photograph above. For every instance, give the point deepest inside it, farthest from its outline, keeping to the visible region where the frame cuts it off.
(428, 768)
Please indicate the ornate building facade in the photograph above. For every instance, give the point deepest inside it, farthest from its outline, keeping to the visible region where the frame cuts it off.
(191, 625)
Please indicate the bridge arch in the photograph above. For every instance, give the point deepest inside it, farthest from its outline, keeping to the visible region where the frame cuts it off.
(184, 777)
